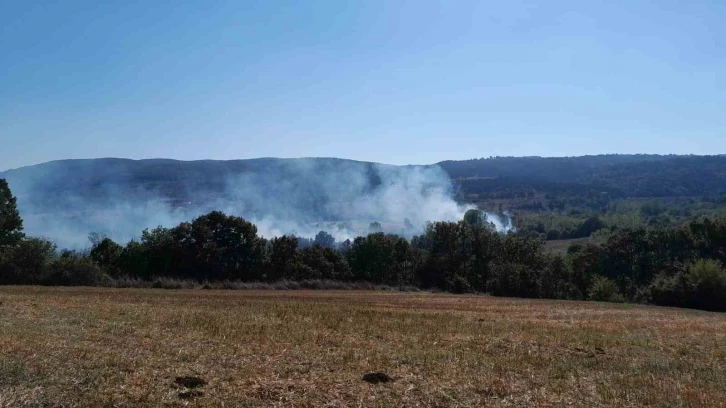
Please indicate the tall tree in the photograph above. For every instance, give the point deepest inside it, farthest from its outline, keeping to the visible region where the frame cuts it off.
(283, 258)
(324, 240)
(474, 217)
(11, 225)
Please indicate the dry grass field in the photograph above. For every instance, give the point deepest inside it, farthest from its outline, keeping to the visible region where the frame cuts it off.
(560, 246)
(88, 347)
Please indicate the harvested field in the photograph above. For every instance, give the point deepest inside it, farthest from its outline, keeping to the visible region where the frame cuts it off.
(91, 347)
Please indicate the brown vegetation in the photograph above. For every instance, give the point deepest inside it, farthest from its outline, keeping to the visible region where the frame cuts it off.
(102, 347)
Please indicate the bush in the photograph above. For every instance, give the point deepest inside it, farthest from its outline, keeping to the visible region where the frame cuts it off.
(708, 280)
(74, 269)
(666, 290)
(603, 289)
(553, 234)
(589, 226)
(26, 262)
(107, 254)
(700, 285)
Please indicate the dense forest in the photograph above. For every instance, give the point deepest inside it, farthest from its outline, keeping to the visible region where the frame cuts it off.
(573, 198)
(663, 265)
(618, 175)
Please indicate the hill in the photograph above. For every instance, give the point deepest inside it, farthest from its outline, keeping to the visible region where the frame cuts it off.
(624, 175)
(619, 175)
(119, 197)
(178, 182)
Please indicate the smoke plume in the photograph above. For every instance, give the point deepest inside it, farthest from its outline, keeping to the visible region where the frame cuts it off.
(65, 201)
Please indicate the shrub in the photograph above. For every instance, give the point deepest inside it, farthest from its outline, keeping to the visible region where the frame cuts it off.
(107, 254)
(700, 285)
(604, 290)
(706, 281)
(26, 262)
(73, 269)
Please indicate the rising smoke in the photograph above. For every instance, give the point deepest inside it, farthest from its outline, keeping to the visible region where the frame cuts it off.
(298, 196)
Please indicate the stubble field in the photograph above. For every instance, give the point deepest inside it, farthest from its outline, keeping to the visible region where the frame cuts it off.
(90, 347)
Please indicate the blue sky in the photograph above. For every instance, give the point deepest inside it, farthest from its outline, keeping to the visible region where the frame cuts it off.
(393, 81)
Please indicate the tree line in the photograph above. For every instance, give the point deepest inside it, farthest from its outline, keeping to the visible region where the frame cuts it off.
(675, 266)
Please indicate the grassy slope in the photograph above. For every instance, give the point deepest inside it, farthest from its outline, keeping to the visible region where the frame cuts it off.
(112, 347)
(560, 246)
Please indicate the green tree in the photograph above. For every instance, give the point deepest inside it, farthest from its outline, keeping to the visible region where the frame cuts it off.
(324, 240)
(323, 263)
(371, 257)
(474, 217)
(224, 246)
(450, 256)
(603, 289)
(283, 258)
(73, 268)
(589, 226)
(701, 285)
(11, 225)
(107, 254)
(26, 262)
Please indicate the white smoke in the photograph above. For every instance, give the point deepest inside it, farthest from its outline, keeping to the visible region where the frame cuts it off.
(502, 221)
(301, 196)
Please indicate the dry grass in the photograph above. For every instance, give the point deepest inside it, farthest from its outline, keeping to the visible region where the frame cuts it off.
(560, 246)
(91, 347)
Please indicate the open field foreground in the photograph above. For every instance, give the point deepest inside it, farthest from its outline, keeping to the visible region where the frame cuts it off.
(82, 347)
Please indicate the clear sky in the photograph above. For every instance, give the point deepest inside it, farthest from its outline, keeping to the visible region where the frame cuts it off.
(393, 81)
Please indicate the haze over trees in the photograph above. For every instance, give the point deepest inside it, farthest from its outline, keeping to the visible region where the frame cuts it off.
(676, 266)
(548, 198)
(636, 228)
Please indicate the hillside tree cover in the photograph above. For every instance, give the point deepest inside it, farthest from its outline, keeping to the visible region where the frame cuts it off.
(676, 266)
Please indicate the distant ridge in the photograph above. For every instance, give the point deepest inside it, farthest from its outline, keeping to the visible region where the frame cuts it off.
(67, 199)
(629, 175)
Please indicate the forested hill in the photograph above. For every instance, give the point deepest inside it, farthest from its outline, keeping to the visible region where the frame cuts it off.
(175, 180)
(618, 175)
(561, 169)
